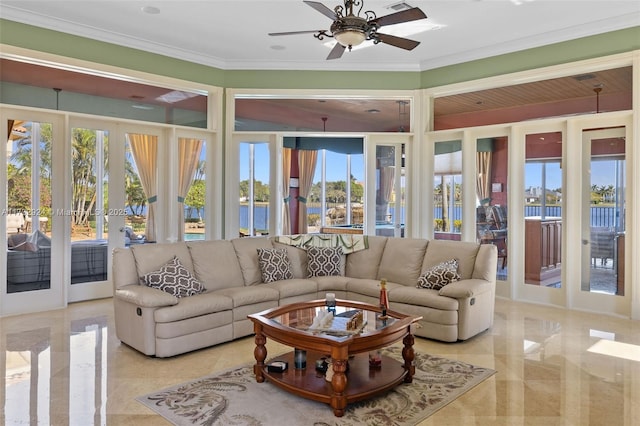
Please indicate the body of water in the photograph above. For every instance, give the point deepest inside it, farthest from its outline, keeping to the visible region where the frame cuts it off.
(600, 216)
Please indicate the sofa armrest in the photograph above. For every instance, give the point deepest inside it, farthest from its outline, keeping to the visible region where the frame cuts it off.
(145, 297)
(465, 288)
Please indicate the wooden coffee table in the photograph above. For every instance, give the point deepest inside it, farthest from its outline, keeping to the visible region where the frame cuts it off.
(353, 379)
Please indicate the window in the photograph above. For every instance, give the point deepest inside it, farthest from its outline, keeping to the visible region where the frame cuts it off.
(332, 201)
(28, 211)
(447, 190)
(191, 188)
(254, 188)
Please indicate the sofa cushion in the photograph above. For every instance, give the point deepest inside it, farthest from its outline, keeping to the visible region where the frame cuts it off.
(402, 260)
(294, 287)
(150, 257)
(331, 284)
(422, 297)
(443, 250)
(364, 263)
(194, 307)
(250, 295)
(215, 264)
(247, 252)
(274, 265)
(21, 242)
(368, 287)
(145, 297)
(325, 261)
(28, 242)
(430, 317)
(173, 278)
(439, 275)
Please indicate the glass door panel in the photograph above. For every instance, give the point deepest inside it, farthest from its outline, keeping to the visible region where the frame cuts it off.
(543, 209)
(341, 203)
(390, 190)
(95, 212)
(491, 197)
(254, 189)
(603, 221)
(447, 190)
(191, 188)
(89, 210)
(29, 205)
(141, 188)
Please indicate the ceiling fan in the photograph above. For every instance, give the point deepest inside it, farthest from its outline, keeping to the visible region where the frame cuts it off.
(351, 29)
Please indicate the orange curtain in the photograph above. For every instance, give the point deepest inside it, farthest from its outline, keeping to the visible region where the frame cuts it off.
(483, 167)
(188, 158)
(286, 176)
(307, 167)
(144, 149)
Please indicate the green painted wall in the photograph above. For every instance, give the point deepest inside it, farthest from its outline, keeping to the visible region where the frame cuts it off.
(39, 39)
(264, 79)
(57, 43)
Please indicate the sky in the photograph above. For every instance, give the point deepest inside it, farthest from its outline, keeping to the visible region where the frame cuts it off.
(602, 173)
(336, 165)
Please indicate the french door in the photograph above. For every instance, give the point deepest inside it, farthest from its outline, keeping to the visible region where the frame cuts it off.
(251, 165)
(96, 207)
(386, 189)
(573, 193)
(603, 220)
(30, 196)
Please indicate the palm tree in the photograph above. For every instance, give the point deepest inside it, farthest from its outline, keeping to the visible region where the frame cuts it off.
(21, 170)
(83, 156)
(135, 197)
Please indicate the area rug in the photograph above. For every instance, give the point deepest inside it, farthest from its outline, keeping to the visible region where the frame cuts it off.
(233, 397)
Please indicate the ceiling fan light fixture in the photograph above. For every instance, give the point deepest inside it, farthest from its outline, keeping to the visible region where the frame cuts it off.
(351, 37)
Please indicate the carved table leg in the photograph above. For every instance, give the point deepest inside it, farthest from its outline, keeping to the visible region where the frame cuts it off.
(338, 385)
(260, 353)
(408, 355)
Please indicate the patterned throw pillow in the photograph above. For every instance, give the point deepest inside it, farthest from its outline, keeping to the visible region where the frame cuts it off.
(174, 279)
(324, 261)
(439, 275)
(274, 265)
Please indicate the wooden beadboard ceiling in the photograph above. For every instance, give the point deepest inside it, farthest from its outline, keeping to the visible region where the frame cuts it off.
(613, 82)
(554, 97)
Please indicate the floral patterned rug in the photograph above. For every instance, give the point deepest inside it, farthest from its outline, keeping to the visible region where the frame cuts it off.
(233, 397)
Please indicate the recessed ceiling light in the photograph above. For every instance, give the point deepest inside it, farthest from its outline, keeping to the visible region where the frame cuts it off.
(151, 10)
(373, 111)
(278, 47)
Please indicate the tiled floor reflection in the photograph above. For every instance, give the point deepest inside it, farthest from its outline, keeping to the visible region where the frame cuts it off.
(554, 367)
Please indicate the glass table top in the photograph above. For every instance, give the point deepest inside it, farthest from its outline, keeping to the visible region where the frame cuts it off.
(345, 321)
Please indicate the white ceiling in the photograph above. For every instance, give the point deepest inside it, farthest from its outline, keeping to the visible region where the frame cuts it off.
(234, 34)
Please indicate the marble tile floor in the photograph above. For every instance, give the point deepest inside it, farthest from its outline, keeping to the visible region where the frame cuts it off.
(554, 367)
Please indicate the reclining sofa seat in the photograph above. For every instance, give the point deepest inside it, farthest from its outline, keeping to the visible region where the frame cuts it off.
(159, 324)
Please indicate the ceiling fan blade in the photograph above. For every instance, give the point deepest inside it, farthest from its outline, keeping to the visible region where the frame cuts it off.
(336, 52)
(403, 43)
(294, 32)
(322, 9)
(412, 14)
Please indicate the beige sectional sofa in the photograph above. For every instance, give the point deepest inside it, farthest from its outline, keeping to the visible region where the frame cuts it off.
(160, 324)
